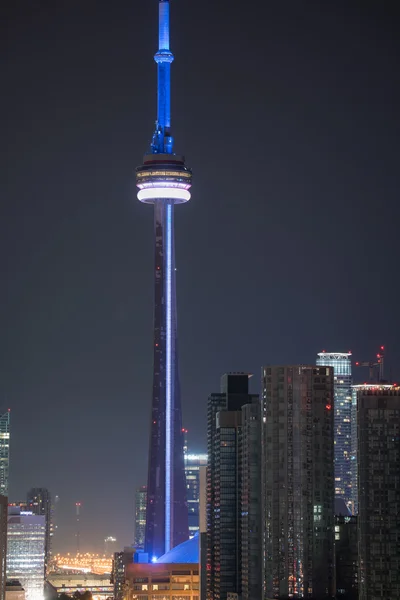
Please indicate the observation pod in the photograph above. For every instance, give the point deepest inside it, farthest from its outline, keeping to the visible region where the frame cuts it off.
(163, 176)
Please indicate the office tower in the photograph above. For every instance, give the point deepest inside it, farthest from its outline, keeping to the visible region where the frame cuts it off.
(25, 550)
(378, 455)
(341, 363)
(346, 552)
(164, 180)
(233, 491)
(193, 464)
(203, 532)
(298, 481)
(110, 544)
(39, 502)
(3, 544)
(120, 562)
(4, 452)
(140, 517)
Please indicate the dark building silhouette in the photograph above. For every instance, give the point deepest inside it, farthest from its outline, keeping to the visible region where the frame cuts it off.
(298, 482)
(378, 457)
(346, 552)
(233, 491)
(38, 500)
(118, 576)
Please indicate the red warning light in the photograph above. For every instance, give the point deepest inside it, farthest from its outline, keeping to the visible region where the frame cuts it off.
(328, 406)
(357, 363)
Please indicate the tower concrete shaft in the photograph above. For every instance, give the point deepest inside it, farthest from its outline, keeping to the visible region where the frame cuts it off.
(164, 180)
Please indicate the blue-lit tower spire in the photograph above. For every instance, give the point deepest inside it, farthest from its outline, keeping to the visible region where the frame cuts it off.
(164, 180)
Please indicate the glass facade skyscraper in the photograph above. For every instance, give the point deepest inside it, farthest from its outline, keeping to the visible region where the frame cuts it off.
(3, 544)
(341, 363)
(26, 539)
(4, 452)
(193, 463)
(140, 516)
(233, 563)
(39, 502)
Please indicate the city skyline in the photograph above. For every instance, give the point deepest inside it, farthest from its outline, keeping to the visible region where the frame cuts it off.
(76, 251)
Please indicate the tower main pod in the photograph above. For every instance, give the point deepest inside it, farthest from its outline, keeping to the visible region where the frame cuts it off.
(164, 180)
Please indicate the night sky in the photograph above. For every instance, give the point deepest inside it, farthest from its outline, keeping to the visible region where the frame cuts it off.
(288, 113)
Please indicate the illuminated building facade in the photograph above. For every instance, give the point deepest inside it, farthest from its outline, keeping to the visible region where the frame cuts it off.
(193, 464)
(174, 576)
(70, 583)
(298, 481)
(4, 452)
(26, 541)
(140, 517)
(341, 363)
(378, 456)
(3, 544)
(163, 181)
(39, 502)
(233, 491)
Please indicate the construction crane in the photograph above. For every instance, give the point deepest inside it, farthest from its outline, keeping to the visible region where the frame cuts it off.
(375, 365)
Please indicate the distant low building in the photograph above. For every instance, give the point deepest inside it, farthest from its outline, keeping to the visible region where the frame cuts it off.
(14, 590)
(69, 583)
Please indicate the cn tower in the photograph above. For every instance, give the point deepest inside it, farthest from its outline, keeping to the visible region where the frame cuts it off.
(164, 180)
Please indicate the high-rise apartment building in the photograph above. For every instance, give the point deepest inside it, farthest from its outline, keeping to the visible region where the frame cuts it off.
(39, 502)
(298, 481)
(118, 577)
(234, 544)
(378, 457)
(4, 452)
(3, 544)
(341, 363)
(193, 464)
(140, 517)
(26, 541)
(164, 181)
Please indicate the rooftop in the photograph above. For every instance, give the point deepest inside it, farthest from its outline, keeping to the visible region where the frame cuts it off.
(185, 553)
